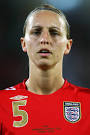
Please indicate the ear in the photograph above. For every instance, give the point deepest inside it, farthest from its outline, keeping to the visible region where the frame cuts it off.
(24, 48)
(68, 46)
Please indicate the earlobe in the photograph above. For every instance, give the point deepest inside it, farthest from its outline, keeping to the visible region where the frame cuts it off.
(24, 48)
(68, 47)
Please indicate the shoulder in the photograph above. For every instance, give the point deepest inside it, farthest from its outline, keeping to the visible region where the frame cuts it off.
(17, 87)
(78, 88)
(12, 92)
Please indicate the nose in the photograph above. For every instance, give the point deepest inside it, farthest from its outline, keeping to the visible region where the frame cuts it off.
(45, 38)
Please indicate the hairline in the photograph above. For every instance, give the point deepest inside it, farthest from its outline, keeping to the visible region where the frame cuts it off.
(60, 13)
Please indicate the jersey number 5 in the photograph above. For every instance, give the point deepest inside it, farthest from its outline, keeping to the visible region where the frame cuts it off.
(17, 112)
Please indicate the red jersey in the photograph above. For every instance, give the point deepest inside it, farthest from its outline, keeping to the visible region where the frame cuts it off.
(64, 112)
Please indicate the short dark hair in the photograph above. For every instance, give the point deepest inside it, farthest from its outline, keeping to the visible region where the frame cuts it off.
(51, 8)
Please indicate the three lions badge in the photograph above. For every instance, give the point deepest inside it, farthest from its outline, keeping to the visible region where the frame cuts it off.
(72, 111)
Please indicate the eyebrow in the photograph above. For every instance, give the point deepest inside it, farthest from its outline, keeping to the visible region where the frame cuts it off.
(52, 27)
(36, 27)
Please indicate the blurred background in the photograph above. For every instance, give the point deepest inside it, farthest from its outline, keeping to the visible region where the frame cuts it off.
(14, 63)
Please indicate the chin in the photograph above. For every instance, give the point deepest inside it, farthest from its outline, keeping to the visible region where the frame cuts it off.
(45, 65)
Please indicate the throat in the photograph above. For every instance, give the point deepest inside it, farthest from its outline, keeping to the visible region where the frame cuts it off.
(45, 81)
(44, 87)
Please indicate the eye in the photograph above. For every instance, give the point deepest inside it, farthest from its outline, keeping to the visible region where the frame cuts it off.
(36, 32)
(54, 32)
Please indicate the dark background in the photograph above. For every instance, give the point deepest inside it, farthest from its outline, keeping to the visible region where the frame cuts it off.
(14, 63)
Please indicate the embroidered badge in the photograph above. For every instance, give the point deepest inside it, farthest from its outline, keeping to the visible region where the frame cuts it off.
(72, 111)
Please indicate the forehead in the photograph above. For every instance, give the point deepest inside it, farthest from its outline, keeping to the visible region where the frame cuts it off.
(45, 18)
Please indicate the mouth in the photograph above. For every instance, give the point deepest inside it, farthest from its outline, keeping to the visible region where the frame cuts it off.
(45, 52)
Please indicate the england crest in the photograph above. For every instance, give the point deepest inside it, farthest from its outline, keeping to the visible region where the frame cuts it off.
(72, 111)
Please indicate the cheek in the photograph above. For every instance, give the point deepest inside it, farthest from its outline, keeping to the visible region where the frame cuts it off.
(31, 49)
(28, 47)
(61, 46)
(60, 49)
(29, 43)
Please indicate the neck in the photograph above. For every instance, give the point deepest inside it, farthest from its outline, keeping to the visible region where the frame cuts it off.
(45, 81)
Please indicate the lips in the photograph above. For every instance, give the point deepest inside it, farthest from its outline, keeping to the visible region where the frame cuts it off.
(44, 52)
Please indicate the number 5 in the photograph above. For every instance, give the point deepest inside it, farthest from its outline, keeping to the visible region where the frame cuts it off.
(17, 112)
